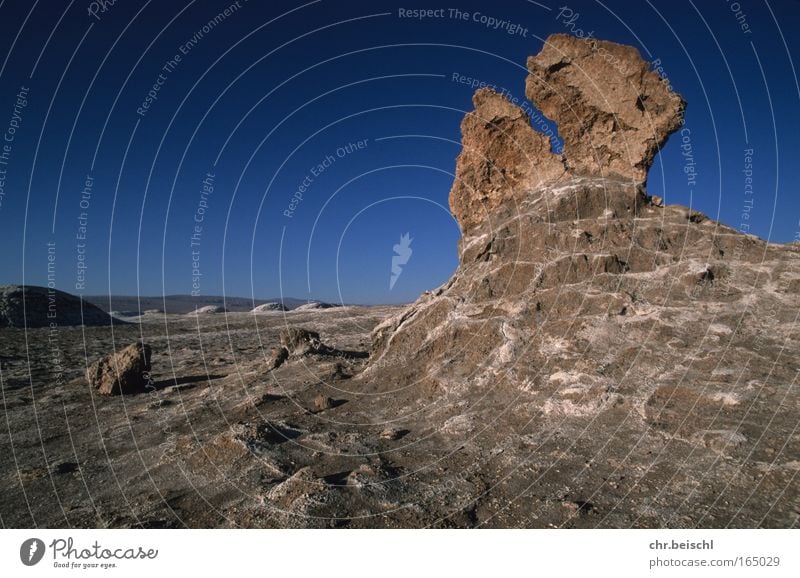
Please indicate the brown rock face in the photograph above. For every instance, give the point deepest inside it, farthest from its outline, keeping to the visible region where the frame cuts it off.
(502, 159)
(612, 111)
(123, 372)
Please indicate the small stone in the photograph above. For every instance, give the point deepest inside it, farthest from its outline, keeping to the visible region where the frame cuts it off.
(695, 217)
(393, 433)
(322, 402)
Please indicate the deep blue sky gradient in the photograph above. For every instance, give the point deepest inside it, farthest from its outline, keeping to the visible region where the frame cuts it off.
(259, 104)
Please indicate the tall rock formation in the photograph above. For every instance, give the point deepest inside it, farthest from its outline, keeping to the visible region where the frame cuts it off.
(571, 278)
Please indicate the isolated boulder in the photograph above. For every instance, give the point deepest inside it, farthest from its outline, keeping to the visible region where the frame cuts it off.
(124, 372)
(297, 342)
(323, 402)
(568, 270)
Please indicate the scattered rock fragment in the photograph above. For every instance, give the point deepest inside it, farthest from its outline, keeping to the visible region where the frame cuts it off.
(339, 373)
(393, 433)
(323, 402)
(296, 487)
(695, 217)
(298, 341)
(579, 508)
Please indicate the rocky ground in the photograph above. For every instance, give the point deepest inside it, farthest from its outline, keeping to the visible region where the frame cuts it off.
(220, 441)
(206, 444)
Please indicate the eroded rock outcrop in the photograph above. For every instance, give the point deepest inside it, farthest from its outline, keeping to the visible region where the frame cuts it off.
(612, 111)
(570, 274)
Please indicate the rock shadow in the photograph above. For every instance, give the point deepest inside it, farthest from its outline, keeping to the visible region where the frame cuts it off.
(187, 381)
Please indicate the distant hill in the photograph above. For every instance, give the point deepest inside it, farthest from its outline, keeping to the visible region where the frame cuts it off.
(181, 304)
(32, 306)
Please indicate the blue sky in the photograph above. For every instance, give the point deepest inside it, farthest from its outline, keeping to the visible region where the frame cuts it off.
(273, 101)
